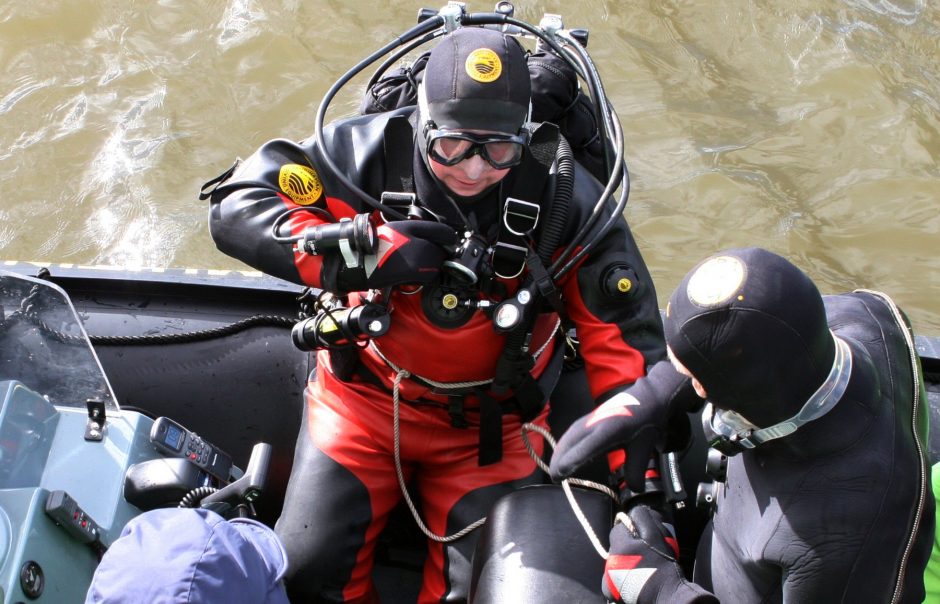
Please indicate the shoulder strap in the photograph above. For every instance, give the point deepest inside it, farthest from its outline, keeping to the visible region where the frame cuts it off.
(521, 209)
(399, 142)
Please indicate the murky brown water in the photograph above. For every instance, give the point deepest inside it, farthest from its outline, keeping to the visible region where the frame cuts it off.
(811, 127)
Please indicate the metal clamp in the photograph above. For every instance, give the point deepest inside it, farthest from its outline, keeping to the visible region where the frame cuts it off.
(94, 427)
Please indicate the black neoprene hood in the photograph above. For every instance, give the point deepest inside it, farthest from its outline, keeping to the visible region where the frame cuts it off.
(477, 79)
(752, 328)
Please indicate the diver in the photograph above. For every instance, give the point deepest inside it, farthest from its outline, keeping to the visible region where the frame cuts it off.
(478, 206)
(818, 403)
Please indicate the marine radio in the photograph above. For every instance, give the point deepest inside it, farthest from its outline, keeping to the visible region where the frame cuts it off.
(174, 440)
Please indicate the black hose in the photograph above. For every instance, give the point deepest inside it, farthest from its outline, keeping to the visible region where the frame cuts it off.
(279, 221)
(598, 96)
(392, 60)
(564, 189)
(425, 27)
(614, 216)
(620, 172)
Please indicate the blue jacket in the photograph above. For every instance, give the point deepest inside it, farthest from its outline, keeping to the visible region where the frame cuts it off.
(187, 556)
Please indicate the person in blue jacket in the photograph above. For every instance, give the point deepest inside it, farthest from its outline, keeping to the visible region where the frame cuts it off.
(190, 556)
(819, 403)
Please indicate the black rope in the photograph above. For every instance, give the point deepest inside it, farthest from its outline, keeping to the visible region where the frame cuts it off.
(28, 312)
(195, 336)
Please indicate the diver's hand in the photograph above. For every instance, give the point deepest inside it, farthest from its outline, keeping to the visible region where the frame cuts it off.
(408, 252)
(642, 564)
(636, 420)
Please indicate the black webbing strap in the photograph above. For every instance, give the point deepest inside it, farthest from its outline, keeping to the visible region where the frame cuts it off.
(545, 286)
(529, 400)
(399, 148)
(515, 363)
(455, 408)
(491, 430)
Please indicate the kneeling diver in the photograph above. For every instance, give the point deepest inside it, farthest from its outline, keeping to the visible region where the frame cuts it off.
(819, 402)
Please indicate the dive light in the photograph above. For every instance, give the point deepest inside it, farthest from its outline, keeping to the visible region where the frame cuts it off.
(341, 327)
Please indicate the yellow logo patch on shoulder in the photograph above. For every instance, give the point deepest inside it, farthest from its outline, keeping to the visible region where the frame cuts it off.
(300, 183)
(483, 65)
(716, 281)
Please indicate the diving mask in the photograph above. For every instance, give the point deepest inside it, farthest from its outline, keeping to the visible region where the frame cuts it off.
(501, 151)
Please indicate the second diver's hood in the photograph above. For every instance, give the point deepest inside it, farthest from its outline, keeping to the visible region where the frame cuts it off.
(752, 328)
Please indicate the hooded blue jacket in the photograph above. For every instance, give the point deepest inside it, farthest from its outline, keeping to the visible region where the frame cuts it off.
(185, 556)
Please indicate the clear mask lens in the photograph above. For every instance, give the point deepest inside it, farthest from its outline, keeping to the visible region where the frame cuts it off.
(500, 151)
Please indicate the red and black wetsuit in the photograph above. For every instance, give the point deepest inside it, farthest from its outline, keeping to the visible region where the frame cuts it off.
(343, 484)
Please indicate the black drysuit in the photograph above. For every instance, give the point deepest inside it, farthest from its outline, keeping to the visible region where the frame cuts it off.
(841, 510)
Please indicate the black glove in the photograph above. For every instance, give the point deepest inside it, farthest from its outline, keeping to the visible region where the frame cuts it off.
(636, 420)
(642, 563)
(408, 252)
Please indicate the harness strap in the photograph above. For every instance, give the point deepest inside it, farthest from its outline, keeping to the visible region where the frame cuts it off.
(545, 285)
(515, 363)
(455, 408)
(511, 248)
(491, 430)
(521, 210)
(399, 174)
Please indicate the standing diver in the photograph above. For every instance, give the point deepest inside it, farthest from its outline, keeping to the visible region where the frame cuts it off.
(447, 336)
(819, 403)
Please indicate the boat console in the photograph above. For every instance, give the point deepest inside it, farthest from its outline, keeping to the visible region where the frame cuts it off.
(61, 494)
(74, 467)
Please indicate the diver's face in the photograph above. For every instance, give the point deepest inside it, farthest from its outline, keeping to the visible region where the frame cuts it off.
(468, 177)
(697, 385)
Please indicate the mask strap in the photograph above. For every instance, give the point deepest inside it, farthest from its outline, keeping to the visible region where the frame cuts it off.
(423, 112)
(824, 399)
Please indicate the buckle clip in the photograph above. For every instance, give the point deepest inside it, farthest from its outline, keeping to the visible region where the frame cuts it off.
(520, 217)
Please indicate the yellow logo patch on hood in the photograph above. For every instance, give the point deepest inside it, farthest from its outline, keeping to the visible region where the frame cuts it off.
(483, 65)
(300, 183)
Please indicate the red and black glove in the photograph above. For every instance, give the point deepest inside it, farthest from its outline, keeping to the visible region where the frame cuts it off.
(642, 566)
(641, 420)
(408, 252)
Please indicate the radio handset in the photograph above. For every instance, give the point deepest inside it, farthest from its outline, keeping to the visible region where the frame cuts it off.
(174, 440)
